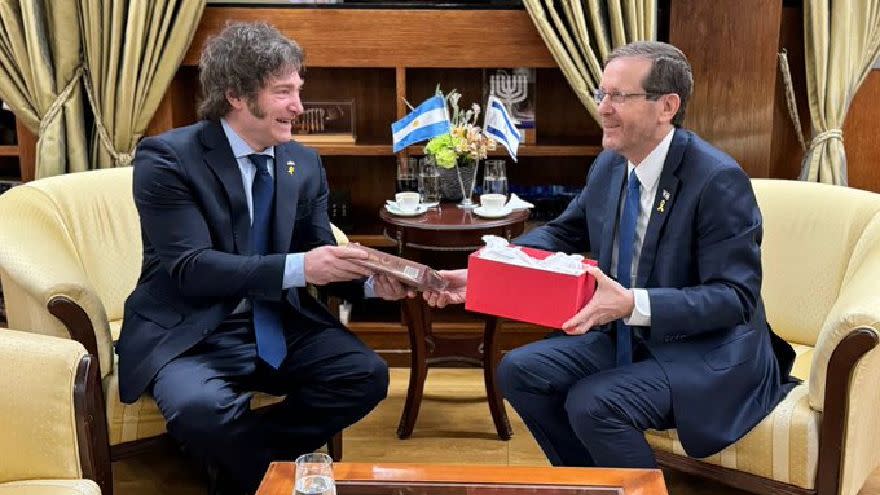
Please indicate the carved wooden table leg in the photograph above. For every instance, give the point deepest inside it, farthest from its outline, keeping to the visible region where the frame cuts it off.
(418, 321)
(490, 364)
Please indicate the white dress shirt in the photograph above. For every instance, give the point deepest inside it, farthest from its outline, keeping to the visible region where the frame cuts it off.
(648, 172)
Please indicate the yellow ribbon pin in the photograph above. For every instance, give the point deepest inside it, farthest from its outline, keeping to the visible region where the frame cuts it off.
(291, 167)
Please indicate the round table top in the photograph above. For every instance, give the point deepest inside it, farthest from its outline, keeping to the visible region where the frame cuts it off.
(448, 216)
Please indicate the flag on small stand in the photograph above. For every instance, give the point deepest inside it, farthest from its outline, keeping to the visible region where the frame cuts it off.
(499, 126)
(426, 121)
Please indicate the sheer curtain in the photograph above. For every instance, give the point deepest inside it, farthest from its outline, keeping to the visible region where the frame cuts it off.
(581, 34)
(40, 79)
(842, 40)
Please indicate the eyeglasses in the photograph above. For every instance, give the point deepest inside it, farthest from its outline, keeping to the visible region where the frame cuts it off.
(618, 98)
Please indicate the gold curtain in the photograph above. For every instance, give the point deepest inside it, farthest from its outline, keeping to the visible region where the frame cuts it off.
(132, 50)
(842, 40)
(40, 79)
(581, 34)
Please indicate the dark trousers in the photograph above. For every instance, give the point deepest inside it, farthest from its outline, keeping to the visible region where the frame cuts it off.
(329, 377)
(581, 409)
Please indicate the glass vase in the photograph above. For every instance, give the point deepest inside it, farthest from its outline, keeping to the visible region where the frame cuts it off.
(467, 178)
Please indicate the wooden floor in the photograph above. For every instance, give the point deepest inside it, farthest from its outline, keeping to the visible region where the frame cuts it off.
(454, 427)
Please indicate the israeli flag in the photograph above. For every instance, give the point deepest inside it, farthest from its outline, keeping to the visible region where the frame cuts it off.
(499, 126)
(428, 120)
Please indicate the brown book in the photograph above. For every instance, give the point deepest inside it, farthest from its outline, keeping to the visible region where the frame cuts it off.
(409, 273)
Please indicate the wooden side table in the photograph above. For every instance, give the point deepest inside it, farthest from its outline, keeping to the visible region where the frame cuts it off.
(448, 229)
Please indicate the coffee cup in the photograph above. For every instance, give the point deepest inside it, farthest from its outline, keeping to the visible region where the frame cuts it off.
(493, 202)
(407, 201)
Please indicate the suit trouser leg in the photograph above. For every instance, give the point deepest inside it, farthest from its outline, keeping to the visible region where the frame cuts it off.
(611, 409)
(535, 379)
(205, 397)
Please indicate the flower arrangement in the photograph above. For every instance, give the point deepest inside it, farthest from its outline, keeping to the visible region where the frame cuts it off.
(466, 139)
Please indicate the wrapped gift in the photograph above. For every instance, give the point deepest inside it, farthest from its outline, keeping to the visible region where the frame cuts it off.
(527, 285)
(410, 273)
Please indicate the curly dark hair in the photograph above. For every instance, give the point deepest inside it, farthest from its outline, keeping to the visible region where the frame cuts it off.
(670, 71)
(238, 60)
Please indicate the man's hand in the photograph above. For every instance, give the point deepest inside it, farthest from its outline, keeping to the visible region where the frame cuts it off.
(610, 302)
(390, 289)
(454, 293)
(327, 264)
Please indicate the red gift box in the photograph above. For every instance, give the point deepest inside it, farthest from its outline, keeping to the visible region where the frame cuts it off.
(526, 294)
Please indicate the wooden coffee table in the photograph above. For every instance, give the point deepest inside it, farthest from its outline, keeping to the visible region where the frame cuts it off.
(439, 479)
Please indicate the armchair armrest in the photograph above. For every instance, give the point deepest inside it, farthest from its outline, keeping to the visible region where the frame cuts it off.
(38, 263)
(52, 411)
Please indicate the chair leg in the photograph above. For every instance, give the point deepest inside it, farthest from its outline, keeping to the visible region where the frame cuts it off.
(334, 447)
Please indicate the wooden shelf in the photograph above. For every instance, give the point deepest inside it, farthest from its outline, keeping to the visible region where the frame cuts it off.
(374, 241)
(352, 149)
(9, 150)
(385, 150)
(532, 150)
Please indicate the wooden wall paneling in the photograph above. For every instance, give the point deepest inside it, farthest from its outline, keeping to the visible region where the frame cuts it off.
(394, 38)
(370, 181)
(860, 131)
(27, 152)
(372, 89)
(731, 45)
(560, 117)
(787, 152)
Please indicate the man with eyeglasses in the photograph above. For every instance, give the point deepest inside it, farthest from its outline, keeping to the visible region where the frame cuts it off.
(675, 335)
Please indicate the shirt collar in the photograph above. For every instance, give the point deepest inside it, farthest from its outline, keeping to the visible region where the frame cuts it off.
(239, 147)
(649, 170)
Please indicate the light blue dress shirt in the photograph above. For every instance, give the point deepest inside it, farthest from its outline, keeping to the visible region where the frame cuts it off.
(294, 267)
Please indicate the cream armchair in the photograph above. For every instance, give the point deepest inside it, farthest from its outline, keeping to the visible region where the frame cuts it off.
(70, 253)
(54, 438)
(821, 261)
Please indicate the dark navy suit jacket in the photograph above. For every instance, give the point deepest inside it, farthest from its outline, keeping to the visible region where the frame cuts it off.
(195, 226)
(701, 265)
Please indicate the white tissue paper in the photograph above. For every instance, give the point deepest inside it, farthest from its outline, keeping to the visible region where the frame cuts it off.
(498, 249)
(517, 203)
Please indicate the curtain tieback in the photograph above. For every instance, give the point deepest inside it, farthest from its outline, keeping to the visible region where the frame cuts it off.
(59, 101)
(120, 158)
(825, 136)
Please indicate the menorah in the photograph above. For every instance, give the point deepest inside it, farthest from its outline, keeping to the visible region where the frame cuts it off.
(510, 89)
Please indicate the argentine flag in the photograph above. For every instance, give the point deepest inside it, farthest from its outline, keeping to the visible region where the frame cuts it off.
(427, 120)
(499, 126)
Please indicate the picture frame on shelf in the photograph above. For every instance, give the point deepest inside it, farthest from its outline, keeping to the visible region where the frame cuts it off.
(326, 122)
(516, 88)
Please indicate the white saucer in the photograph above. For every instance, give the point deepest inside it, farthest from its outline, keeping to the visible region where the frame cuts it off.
(483, 212)
(394, 210)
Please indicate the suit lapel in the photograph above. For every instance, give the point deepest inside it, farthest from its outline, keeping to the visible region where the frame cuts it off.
(222, 162)
(286, 197)
(664, 200)
(618, 172)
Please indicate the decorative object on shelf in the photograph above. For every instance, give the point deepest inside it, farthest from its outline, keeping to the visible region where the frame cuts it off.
(325, 122)
(516, 90)
(461, 148)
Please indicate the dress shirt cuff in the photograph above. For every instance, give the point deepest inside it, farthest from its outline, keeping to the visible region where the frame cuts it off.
(369, 291)
(641, 315)
(294, 271)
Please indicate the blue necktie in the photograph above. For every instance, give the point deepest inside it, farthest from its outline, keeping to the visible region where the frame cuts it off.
(271, 346)
(626, 236)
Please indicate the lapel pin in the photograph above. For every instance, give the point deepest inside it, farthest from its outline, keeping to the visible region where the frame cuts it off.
(665, 194)
(291, 167)
(662, 206)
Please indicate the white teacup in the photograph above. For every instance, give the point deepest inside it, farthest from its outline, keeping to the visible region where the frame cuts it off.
(407, 201)
(493, 202)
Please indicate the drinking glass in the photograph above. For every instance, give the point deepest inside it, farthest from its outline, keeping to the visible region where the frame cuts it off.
(495, 177)
(407, 180)
(429, 180)
(314, 475)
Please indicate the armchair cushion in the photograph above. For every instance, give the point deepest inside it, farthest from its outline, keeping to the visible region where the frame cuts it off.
(50, 487)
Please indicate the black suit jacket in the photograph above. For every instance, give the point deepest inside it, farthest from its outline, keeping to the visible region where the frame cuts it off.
(195, 227)
(701, 265)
